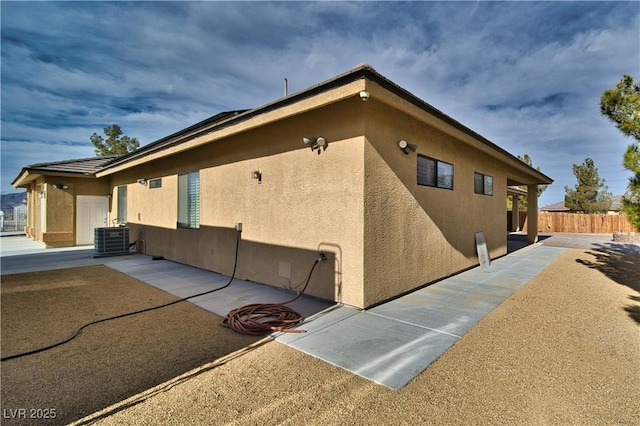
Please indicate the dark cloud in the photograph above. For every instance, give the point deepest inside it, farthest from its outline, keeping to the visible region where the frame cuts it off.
(527, 75)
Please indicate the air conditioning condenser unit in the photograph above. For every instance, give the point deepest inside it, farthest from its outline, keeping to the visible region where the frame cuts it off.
(111, 241)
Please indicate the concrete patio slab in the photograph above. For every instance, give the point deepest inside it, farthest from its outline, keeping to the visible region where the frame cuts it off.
(384, 350)
(187, 281)
(393, 342)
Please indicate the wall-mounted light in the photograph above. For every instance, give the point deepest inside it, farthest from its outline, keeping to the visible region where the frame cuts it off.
(142, 182)
(406, 146)
(257, 174)
(60, 186)
(364, 95)
(315, 143)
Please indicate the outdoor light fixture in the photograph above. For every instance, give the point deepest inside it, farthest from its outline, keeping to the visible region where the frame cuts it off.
(60, 186)
(364, 95)
(315, 142)
(257, 174)
(142, 182)
(405, 146)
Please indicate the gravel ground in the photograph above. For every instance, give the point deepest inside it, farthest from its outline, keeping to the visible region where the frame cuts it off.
(565, 349)
(107, 362)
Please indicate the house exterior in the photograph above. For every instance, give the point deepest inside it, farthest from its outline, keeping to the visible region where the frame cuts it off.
(65, 201)
(559, 207)
(390, 189)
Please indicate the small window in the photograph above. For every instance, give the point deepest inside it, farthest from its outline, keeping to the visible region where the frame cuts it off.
(189, 200)
(482, 184)
(432, 172)
(122, 206)
(155, 183)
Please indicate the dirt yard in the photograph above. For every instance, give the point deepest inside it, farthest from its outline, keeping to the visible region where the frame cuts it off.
(563, 350)
(107, 362)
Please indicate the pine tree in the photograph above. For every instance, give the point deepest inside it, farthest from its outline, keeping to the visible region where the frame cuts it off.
(114, 144)
(622, 106)
(590, 195)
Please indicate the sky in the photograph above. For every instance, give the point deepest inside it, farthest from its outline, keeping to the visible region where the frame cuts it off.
(526, 75)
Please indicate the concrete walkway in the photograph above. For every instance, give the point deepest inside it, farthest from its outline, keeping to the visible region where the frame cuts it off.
(394, 342)
(389, 344)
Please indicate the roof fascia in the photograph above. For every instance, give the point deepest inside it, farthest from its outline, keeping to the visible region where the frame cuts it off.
(28, 175)
(23, 178)
(295, 104)
(339, 87)
(416, 107)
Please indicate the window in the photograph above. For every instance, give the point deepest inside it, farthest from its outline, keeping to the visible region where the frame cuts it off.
(122, 205)
(432, 172)
(189, 200)
(155, 183)
(482, 184)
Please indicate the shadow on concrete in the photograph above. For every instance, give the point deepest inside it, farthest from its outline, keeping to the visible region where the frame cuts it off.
(619, 262)
(517, 241)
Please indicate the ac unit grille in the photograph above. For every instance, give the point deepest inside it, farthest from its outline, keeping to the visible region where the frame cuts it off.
(111, 241)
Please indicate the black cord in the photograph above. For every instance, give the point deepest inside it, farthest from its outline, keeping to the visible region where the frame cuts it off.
(77, 330)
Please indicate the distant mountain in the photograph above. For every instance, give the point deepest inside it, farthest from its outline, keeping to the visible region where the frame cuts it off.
(9, 200)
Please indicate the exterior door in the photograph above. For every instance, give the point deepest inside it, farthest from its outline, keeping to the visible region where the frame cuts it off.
(92, 212)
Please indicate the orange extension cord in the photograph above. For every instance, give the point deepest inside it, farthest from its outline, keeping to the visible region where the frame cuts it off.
(262, 318)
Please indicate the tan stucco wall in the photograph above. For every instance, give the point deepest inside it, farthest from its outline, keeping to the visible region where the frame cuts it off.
(358, 201)
(32, 202)
(417, 234)
(59, 228)
(307, 203)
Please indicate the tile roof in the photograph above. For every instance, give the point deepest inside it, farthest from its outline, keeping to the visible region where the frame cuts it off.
(85, 166)
(80, 166)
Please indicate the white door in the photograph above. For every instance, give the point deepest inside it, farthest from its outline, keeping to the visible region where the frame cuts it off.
(92, 212)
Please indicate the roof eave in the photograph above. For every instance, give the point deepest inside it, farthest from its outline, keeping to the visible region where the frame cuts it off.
(28, 175)
(360, 72)
(193, 132)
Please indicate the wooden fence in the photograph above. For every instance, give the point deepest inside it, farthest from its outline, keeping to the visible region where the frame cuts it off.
(582, 223)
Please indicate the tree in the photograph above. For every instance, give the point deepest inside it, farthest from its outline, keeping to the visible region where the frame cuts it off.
(590, 195)
(622, 106)
(522, 205)
(114, 144)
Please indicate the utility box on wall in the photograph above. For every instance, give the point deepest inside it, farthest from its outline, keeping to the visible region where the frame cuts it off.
(111, 241)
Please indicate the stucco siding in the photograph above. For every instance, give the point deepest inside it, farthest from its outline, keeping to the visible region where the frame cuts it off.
(417, 234)
(357, 200)
(307, 202)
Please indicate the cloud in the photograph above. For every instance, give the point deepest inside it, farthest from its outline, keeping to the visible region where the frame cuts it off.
(526, 75)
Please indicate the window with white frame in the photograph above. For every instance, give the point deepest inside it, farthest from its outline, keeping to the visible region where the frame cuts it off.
(482, 184)
(122, 206)
(189, 200)
(436, 173)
